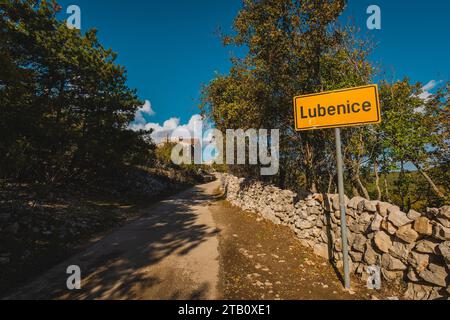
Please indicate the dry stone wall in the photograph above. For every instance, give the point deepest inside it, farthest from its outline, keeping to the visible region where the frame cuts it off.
(412, 248)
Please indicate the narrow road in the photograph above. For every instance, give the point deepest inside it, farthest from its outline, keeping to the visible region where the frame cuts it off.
(196, 246)
(170, 253)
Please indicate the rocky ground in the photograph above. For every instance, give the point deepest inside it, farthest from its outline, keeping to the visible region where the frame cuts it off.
(408, 248)
(261, 260)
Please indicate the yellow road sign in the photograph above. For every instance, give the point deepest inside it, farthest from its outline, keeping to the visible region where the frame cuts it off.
(339, 108)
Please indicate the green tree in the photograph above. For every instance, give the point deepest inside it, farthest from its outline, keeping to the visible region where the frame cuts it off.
(294, 47)
(64, 101)
(297, 47)
(411, 133)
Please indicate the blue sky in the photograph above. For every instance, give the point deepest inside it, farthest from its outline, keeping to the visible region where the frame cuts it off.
(170, 47)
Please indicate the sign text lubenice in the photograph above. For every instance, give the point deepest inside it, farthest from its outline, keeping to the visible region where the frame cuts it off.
(340, 108)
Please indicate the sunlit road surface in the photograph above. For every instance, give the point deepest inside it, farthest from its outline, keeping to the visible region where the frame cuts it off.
(169, 253)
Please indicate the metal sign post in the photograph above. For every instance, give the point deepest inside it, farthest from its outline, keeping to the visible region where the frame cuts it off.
(337, 109)
(340, 172)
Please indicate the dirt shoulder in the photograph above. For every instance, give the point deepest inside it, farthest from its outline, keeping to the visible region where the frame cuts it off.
(261, 260)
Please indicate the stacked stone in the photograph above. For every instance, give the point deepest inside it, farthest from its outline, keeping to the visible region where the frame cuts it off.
(410, 247)
(272, 203)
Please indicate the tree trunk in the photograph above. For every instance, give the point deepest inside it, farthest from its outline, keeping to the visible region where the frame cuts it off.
(330, 182)
(386, 190)
(430, 181)
(355, 191)
(358, 167)
(311, 178)
(363, 189)
(356, 179)
(377, 180)
(401, 182)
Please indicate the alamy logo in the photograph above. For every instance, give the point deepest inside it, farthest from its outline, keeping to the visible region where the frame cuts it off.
(374, 20)
(74, 20)
(253, 147)
(374, 279)
(74, 280)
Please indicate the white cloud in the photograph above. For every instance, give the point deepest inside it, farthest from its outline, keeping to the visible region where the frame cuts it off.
(170, 128)
(430, 85)
(162, 132)
(426, 94)
(196, 127)
(145, 110)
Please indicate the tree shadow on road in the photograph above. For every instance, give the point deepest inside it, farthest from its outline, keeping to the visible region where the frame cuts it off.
(114, 268)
